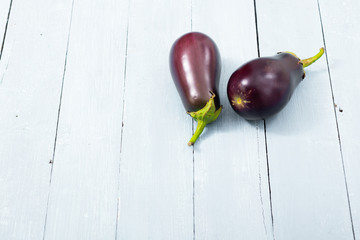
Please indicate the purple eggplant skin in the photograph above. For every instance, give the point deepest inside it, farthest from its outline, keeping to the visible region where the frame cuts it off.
(195, 67)
(263, 86)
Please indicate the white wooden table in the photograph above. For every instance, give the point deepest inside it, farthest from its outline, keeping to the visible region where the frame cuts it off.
(93, 135)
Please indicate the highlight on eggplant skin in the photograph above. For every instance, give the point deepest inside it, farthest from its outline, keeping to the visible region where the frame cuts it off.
(195, 67)
(262, 87)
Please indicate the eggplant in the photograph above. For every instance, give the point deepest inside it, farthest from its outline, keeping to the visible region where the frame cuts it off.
(262, 87)
(195, 67)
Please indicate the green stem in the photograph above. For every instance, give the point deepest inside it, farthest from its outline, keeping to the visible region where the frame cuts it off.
(204, 116)
(200, 127)
(307, 62)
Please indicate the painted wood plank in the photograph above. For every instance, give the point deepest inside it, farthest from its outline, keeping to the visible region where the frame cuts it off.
(4, 12)
(307, 182)
(84, 187)
(342, 36)
(231, 188)
(31, 71)
(156, 190)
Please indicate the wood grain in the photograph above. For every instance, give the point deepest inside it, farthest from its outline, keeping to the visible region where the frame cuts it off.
(342, 37)
(31, 71)
(307, 182)
(156, 189)
(84, 189)
(231, 188)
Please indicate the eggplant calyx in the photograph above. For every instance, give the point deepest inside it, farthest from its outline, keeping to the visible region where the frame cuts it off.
(291, 54)
(203, 117)
(308, 61)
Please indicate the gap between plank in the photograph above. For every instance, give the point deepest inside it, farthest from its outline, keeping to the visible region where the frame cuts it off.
(336, 120)
(257, 30)
(122, 117)
(260, 188)
(5, 31)
(268, 176)
(265, 135)
(58, 117)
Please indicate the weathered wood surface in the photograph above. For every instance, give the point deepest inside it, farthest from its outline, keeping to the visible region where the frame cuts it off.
(341, 22)
(309, 196)
(156, 190)
(84, 182)
(31, 73)
(231, 184)
(93, 134)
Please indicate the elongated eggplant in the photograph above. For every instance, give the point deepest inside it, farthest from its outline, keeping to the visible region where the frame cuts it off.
(195, 67)
(263, 86)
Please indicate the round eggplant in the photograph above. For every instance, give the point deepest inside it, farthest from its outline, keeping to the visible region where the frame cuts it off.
(263, 86)
(195, 68)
